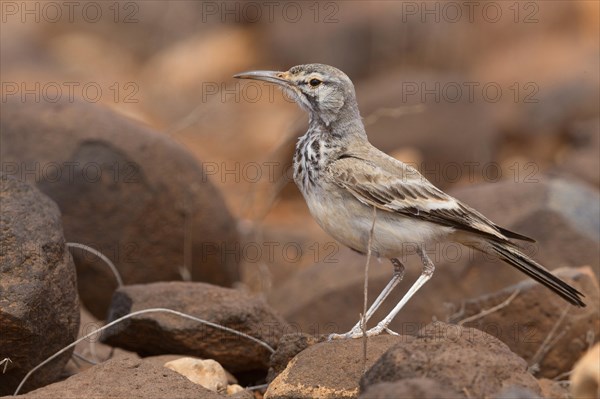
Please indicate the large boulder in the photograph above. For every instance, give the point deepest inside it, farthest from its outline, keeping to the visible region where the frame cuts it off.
(465, 359)
(125, 378)
(39, 308)
(550, 334)
(160, 334)
(130, 192)
(329, 369)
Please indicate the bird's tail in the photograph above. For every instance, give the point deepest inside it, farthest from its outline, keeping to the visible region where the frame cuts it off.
(511, 254)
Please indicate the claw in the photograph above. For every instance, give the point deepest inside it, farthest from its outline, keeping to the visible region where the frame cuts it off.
(352, 334)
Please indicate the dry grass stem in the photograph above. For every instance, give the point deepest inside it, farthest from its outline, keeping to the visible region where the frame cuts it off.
(107, 261)
(363, 321)
(491, 310)
(548, 342)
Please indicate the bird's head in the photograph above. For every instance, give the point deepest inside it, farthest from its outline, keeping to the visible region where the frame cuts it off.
(322, 90)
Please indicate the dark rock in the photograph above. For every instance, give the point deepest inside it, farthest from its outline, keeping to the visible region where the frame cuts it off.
(128, 191)
(159, 334)
(39, 308)
(525, 322)
(289, 346)
(329, 369)
(465, 359)
(125, 378)
(422, 388)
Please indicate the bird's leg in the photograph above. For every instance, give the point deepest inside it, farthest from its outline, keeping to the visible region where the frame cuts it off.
(428, 268)
(396, 278)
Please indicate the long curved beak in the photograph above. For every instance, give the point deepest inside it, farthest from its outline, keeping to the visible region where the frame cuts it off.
(267, 76)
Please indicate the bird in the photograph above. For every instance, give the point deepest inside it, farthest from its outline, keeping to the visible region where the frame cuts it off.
(351, 187)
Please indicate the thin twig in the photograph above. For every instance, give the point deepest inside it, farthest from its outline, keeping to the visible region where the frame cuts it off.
(110, 265)
(491, 310)
(363, 321)
(139, 312)
(548, 342)
(561, 376)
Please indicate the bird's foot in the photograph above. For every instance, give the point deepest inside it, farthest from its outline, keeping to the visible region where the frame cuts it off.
(358, 333)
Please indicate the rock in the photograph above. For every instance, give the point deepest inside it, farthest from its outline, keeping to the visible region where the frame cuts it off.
(465, 359)
(161, 360)
(208, 373)
(423, 388)
(39, 308)
(585, 380)
(561, 215)
(553, 389)
(525, 323)
(128, 191)
(329, 369)
(289, 346)
(155, 334)
(125, 378)
(235, 389)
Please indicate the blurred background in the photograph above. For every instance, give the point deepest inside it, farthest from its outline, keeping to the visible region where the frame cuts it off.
(496, 101)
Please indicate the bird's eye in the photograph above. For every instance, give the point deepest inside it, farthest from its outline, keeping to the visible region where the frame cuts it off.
(315, 82)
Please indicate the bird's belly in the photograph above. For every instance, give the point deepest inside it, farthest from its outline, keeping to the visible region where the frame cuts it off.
(349, 222)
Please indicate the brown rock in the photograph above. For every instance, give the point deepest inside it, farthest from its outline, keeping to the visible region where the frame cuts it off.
(128, 191)
(125, 378)
(466, 359)
(525, 323)
(329, 369)
(156, 334)
(289, 346)
(423, 388)
(554, 389)
(39, 308)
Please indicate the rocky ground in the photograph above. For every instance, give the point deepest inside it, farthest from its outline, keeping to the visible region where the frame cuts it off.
(178, 175)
